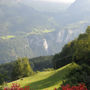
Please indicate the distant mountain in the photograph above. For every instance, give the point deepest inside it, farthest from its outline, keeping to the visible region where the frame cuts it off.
(80, 10)
(39, 5)
(20, 17)
(81, 5)
(43, 6)
(24, 31)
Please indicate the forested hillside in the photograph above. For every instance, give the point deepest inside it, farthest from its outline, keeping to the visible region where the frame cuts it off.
(77, 51)
(37, 64)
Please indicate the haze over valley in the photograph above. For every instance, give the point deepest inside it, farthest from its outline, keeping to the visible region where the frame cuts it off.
(29, 30)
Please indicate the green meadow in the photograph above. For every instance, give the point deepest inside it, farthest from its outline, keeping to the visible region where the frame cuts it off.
(46, 80)
(7, 37)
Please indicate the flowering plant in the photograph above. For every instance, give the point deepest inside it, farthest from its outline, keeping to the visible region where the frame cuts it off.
(68, 87)
(79, 87)
(16, 86)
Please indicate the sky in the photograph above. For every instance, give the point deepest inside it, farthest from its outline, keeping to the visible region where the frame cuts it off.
(59, 1)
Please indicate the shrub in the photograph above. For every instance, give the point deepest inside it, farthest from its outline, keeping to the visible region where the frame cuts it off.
(68, 87)
(79, 87)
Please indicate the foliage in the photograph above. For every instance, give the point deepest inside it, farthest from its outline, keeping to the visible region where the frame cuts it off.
(14, 86)
(48, 69)
(37, 64)
(41, 63)
(2, 78)
(79, 75)
(79, 87)
(78, 51)
(21, 69)
(46, 79)
(82, 48)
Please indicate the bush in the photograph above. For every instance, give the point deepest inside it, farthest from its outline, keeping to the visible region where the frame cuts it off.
(21, 69)
(79, 87)
(78, 75)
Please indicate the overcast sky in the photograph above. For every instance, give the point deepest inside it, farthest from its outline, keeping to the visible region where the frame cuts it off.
(59, 1)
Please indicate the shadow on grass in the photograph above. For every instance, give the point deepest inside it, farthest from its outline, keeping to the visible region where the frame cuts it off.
(54, 79)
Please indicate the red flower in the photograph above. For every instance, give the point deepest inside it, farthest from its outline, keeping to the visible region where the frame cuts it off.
(79, 87)
(55, 89)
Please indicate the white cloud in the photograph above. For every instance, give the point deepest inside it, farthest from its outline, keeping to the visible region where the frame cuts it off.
(59, 1)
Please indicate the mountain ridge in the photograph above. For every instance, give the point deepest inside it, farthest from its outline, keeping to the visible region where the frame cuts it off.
(38, 34)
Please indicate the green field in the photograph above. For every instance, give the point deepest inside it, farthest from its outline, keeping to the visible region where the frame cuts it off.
(7, 37)
(46, 80)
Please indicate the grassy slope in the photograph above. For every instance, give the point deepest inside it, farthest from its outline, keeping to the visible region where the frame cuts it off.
(46, 80)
